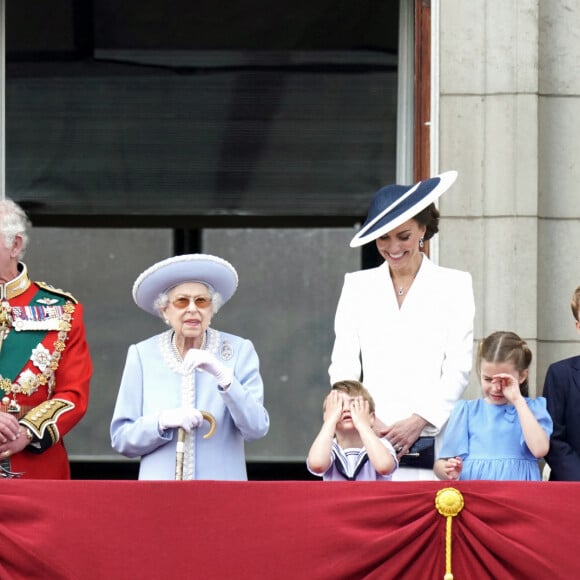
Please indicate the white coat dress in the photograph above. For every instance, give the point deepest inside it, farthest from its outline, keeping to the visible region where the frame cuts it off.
(412, 359)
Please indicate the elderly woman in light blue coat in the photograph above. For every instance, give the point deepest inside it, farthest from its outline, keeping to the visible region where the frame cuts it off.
(191, 396)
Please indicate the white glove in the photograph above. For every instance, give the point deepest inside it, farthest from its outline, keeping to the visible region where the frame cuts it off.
(186, 417)
(205, 361)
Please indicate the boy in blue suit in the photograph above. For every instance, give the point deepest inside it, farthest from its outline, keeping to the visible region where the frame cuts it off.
(562, 392)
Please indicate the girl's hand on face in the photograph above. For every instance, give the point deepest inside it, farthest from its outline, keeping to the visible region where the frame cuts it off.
(360, 412)
(509, 385)
(333, 406)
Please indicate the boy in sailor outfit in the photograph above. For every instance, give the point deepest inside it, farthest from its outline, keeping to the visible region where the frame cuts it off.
(347, 448)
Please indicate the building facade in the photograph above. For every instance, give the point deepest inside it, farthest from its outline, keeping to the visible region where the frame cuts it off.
(508, 89)
(261, 135)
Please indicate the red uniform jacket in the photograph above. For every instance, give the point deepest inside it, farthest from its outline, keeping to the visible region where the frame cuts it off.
(45, 371)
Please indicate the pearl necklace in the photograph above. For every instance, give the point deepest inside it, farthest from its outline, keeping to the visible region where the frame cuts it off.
(176, 350)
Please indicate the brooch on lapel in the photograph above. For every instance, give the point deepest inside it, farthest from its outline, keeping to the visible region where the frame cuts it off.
(226, 351)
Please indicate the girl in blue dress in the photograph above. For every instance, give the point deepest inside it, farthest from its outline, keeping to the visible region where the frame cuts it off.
(502, 435)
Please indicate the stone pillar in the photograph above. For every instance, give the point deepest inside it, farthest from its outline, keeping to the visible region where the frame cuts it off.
(559, 179)
(489, 133)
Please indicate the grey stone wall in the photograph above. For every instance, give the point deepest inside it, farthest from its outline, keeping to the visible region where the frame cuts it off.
(507, 124)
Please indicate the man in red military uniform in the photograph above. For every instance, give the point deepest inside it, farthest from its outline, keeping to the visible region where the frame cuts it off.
(45, 365)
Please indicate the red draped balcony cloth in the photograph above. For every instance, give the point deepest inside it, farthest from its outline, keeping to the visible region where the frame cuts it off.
(84, 530)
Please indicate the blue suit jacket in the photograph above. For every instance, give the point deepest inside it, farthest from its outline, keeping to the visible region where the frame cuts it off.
(562, 392)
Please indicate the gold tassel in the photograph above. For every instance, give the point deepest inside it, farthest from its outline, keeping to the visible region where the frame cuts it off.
(449, 502)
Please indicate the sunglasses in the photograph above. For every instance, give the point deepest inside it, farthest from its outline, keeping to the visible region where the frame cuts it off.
(184, 301)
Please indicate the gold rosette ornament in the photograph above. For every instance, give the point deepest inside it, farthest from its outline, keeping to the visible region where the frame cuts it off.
(449, 502)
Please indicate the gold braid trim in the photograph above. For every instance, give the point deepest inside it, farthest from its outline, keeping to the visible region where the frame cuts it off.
(43, 418)
(59, 291)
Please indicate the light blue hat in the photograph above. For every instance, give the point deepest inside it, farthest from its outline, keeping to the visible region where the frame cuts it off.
(167, 274)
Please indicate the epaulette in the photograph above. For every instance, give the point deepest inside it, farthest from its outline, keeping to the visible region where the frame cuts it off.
(58, 291)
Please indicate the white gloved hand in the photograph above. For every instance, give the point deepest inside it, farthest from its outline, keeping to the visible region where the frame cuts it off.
(186, 417)
(206, 361)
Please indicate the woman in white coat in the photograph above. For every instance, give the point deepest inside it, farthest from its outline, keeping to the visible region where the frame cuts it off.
(405, 328)
(191, 396)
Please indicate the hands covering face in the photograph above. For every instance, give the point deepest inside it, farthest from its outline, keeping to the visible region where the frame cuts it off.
(360, 412)
(340, 406)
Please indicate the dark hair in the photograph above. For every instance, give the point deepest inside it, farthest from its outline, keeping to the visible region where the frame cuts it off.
(575, 303)
(355, 389)
(429, 217)
(505, 346)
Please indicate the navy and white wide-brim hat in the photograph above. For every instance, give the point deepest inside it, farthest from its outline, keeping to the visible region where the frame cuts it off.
(167, 274)
(393, 205)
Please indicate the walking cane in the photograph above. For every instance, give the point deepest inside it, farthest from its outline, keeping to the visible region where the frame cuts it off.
(180, 449)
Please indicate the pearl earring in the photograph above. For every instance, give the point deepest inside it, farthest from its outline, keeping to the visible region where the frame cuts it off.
(421, 243)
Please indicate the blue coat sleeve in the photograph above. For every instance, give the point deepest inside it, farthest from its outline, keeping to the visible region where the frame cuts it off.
(245, 396)
(132, 433)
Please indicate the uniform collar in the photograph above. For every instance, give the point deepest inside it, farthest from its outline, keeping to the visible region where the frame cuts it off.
(17, 286)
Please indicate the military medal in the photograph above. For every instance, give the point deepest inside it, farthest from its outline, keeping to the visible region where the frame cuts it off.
(5, 321)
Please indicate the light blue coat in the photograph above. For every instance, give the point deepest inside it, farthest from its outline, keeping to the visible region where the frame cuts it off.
(153, 381)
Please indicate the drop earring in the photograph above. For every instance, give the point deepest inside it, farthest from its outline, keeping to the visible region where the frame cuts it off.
(421, 243)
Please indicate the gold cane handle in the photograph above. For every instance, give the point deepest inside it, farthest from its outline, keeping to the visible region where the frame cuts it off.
(212, 424)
